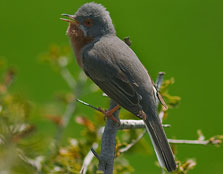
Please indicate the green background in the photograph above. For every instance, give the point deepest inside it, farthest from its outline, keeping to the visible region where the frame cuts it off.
(184, 38)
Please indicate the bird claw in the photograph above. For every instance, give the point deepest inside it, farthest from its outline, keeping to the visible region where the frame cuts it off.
(109, 113)
(142, 115)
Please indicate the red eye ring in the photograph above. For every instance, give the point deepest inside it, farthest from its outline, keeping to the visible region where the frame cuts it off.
(88, 22)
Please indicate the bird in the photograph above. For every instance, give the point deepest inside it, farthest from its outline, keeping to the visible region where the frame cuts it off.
(114, 67)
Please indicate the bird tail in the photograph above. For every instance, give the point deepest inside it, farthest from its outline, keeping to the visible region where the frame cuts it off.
(160, 143)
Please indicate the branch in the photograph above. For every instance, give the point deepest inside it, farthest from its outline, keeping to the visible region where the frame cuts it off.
(95, 153)
(88, 158)
(89, 105)
(201, 142)
(133, 142)
(123, 124)
(159, 80)
(71, 107)
(67, 76)
(107, 155)
(134, 124)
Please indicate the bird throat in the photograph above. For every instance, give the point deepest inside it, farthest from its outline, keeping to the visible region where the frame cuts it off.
(78, 41)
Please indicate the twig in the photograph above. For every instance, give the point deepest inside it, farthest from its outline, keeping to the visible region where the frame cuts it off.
(133, 142)
(70, 109)
(36, 163)
(134, 124)
(67, 76)
(163, 171)
(124, 124)
(157, 87)
(161, 115)
(159, 80)
(66, 117)
(87, 104)
(201, 142)
(88, 158)
(95, 153)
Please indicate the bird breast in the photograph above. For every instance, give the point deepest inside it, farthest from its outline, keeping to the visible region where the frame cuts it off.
(78, 40)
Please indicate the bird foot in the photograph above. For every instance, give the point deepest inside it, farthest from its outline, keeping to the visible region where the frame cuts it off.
(142, 115)
(109, 113)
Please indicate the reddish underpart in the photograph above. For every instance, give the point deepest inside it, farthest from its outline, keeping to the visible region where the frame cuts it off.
(77, 37)
(78, 40)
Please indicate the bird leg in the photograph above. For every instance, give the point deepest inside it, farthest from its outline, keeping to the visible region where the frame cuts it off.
(142, 115)
(109, 113)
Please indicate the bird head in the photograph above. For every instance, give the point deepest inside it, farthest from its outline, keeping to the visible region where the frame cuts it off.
(91, 20)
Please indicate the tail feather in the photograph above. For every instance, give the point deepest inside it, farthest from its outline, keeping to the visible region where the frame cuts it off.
(160, 143)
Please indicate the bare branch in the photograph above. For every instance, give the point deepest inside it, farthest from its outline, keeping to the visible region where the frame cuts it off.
(173, 141)
(67, 76)
(159, 80)
(124, 124)
(201, 142)
(133, 142)
(108, 143)
(71, 107)
(134, 124)
(89, 105)
(89, 157)
(66, 118)
(161, 115)
(95, 153)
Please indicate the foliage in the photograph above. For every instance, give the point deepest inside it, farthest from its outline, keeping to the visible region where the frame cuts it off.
(23, 151)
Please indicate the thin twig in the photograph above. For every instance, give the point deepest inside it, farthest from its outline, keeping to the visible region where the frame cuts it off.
(70, 108)
(89, 157)
(98, 109)
(201, 142)
(87, 104)
(95, 153)
(133, 142)
(36, 163)
(159, 80)
(135, 124)
(161, 115)
(157, 87)
(67, 76)
(124, 124)
(66, 118)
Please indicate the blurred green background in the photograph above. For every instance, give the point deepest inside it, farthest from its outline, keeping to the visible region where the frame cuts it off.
(183, 38)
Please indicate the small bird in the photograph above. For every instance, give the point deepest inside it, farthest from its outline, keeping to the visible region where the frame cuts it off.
(113, 66)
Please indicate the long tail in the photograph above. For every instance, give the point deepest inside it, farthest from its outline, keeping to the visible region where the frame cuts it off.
(160, 143)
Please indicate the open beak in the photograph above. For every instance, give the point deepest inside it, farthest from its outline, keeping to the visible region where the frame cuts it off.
(71, 18)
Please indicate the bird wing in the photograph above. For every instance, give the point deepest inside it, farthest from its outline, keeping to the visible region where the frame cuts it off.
(120, 89)
(118, 72)
(112, 78)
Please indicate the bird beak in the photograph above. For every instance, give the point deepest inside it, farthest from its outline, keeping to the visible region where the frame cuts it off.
(71, 18)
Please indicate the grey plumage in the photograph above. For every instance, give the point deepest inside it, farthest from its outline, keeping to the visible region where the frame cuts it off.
(102, 20)
(116, 69)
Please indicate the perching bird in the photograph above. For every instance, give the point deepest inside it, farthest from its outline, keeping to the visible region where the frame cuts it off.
(115, 68)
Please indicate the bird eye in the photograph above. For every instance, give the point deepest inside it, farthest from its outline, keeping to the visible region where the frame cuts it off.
(88, 22)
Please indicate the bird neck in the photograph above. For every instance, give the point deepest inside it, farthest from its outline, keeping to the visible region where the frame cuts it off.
(78, 45)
